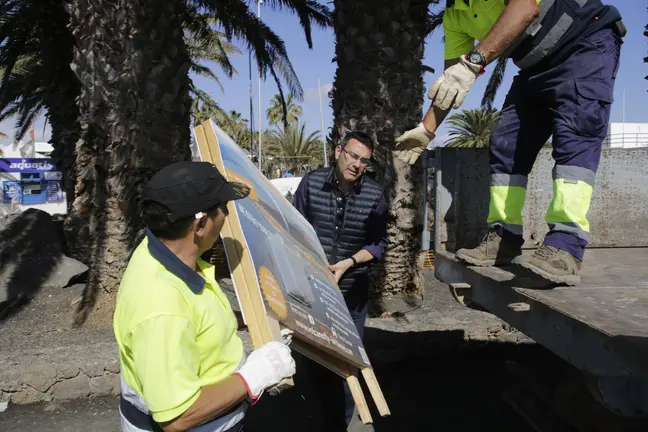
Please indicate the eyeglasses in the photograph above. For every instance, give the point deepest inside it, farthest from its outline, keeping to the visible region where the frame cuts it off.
(356, 158)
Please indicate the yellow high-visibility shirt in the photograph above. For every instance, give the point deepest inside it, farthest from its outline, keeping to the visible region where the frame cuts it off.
(175, 329)
(463, 24)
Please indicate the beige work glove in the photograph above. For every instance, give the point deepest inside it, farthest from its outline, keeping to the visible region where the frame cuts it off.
(412, 143)
(454, 84)
(266, 367)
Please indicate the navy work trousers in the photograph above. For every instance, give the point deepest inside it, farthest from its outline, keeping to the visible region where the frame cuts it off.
(569, 100)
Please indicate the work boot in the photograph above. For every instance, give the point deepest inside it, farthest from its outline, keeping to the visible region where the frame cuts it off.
(493, 250)
(553, 264)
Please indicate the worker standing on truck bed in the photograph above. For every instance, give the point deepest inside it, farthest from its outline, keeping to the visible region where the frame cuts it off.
(568, 54)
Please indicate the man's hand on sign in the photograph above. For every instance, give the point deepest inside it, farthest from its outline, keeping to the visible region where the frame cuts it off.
(266, 367)
(286, 336)
(338, 269)
(454, 84)
(412, 143)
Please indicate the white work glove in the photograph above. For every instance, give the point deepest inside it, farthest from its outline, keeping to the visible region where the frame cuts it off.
(454, 83)
(266, 367)
(286, 337)
(411, 144)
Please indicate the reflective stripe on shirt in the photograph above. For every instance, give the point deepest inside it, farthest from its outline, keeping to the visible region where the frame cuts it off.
(221, 424)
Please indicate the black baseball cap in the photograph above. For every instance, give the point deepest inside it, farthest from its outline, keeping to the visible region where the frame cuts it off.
(187, 188)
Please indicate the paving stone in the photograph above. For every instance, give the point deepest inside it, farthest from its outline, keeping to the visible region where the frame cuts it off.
(67, 371)
(40, 377)
(10, 379)
(95, 368)
(72, 388)
(113, 366)
(27, 396)
(105, 385)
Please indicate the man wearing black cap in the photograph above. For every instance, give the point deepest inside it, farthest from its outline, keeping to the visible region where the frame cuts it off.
(182, 364)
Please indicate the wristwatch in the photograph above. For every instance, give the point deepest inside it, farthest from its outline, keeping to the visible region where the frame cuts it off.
(476, 57)
(355, 263)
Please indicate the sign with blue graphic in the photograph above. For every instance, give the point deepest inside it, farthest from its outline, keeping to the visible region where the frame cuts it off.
(12, 192)
(53, 191)
(290, 266)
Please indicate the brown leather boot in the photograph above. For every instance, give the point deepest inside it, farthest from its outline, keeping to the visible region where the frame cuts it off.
(493, 250)
(553, 264)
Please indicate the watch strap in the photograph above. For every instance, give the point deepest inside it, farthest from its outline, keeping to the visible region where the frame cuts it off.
(355, 263)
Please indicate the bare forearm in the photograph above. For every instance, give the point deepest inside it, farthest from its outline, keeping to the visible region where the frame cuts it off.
(434, 117)
(214, 400)
(515, 18)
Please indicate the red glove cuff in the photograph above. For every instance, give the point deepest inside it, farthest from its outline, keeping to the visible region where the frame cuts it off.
(428, 130)
(253, 400)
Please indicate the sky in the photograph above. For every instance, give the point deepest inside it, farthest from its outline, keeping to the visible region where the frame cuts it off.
(316, 64)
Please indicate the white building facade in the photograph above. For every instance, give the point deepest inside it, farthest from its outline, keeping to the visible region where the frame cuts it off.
(626, 135)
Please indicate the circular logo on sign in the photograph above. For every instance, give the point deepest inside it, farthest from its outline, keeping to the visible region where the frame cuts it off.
(272, 293)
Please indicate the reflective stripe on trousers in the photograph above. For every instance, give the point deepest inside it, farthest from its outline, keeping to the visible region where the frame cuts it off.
(507, 195)
(572, 194)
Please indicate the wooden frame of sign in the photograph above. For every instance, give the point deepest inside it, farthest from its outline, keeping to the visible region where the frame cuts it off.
(262, 327)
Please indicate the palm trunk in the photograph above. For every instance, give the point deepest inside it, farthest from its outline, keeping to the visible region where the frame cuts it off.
(60, 99)
(134, 108)
(63, 116)
(379, 88)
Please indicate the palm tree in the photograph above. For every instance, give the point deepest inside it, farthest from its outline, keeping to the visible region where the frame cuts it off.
(204, 43)
(378, 88)
(278, 112)
(35, 56)
(236, 126)
(202, 110)
(472, 128)
(36, 74)
(292, 149)
(135, 108)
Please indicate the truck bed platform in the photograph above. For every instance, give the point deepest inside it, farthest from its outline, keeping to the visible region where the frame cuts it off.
(600, 326)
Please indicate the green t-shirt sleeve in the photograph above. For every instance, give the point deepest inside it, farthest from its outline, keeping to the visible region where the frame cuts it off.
(457, 42)
(167, 359)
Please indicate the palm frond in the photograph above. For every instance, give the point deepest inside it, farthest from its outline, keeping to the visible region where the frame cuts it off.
(427, 68)
(206, 72)
(203, 105)
(472, 128)
(494, 83)
(238, 21)
(435, 20)
(308, 11)
(293, 147)
(206, 43)
(283, 111)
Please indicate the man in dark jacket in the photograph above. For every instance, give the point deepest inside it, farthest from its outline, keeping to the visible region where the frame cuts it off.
(349, 214)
